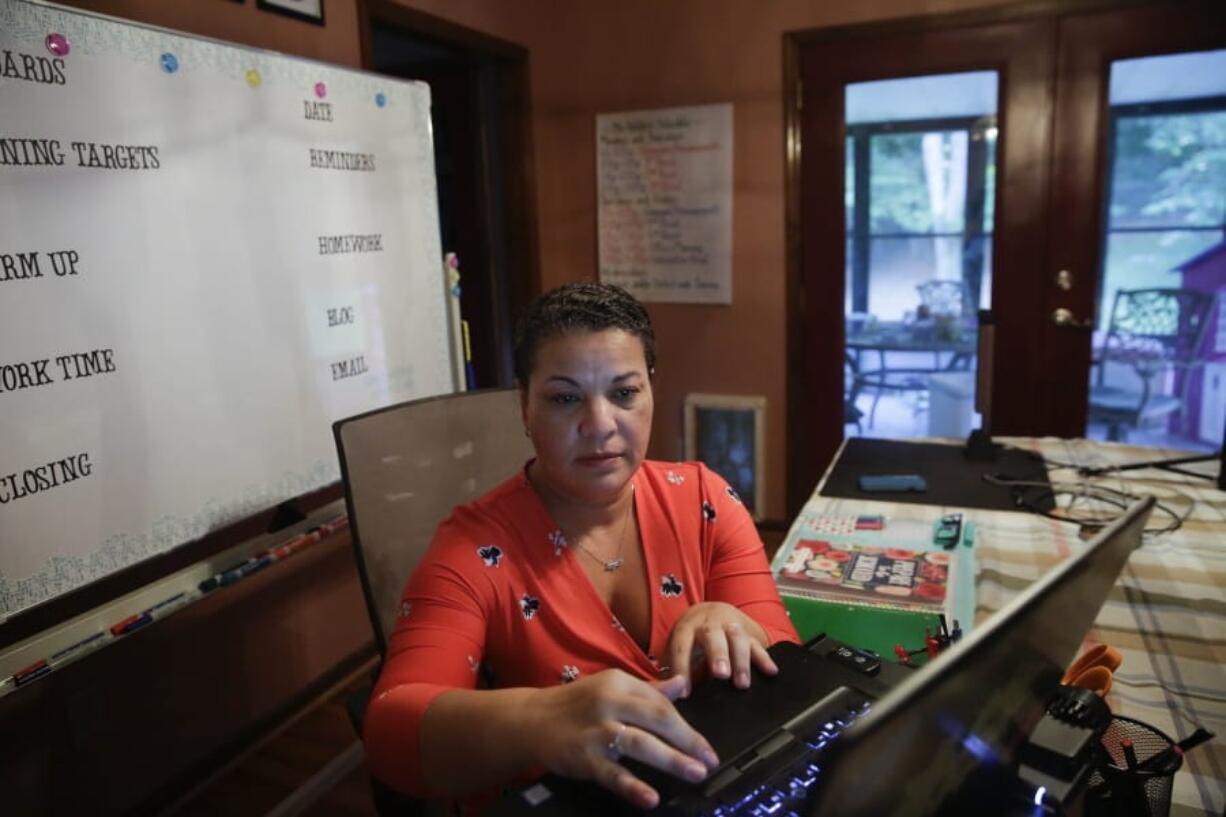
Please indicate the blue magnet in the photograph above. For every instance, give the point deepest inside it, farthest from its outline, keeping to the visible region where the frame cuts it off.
(380, 99)
(170, 63)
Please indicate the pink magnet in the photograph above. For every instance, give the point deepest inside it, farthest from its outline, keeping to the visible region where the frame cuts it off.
(57, 44)
(321, 90)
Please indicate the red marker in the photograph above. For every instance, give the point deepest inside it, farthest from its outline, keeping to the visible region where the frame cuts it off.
(35, 670)
(123, 626)
(904, 657)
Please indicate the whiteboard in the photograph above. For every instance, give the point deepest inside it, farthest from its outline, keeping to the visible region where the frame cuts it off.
(207, 255)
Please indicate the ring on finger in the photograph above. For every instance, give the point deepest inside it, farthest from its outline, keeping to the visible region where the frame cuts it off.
(615, 745)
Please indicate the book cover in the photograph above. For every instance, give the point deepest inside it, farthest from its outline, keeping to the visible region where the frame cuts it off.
(869, 575)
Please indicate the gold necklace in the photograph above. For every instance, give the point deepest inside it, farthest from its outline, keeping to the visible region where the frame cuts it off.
(614, 564)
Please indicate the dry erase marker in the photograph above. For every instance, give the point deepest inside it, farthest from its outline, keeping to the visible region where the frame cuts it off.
(132, 623)
(82, 647)
(297, 543)
(228, 576)
(282, 550)
(117, 627)
(170, 605)
(7, 686)
(35, 670)
(257, 563)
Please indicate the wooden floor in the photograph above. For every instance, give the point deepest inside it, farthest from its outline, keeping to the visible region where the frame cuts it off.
(270, 779)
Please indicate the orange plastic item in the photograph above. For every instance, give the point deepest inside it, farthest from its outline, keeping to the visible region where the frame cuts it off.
(1093, 670)
(1097, 679)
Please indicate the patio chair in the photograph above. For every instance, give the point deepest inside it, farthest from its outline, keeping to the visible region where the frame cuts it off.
(1152, 332)
(946, 296)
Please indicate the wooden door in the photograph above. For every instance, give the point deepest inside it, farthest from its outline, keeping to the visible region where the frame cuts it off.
(1021, 52)
(1053, 64)
(1088, 45)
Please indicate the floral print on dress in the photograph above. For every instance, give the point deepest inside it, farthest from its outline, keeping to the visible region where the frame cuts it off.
(490, 554)
(474, 665)
(735, 496)
(617, 625)
(569, 673)
(558, 540)
(674, 478)
(406, 607)
(529, 605)
(670, 586)
(708, 511)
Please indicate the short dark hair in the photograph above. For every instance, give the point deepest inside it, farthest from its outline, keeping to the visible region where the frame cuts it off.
(582, 306)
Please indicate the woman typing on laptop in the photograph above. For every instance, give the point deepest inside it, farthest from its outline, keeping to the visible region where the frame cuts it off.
(593, 586)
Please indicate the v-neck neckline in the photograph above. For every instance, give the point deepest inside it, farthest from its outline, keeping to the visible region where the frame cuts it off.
(571, 558)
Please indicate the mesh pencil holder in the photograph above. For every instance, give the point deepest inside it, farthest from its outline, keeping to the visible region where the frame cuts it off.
(1114, 790)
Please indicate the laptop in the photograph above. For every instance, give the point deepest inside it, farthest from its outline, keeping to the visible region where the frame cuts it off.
(825, 737)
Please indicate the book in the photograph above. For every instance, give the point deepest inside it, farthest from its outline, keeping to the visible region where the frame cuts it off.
(869, 575)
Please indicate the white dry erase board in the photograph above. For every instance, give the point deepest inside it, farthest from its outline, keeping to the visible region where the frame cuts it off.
(207, 254)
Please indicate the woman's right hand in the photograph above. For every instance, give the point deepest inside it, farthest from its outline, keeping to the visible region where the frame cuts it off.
(581, 730)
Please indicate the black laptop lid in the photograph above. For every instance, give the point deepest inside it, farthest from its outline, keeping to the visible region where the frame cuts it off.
(967, 715)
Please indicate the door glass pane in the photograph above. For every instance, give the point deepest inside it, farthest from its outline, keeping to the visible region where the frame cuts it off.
(1159, 376)
(919, 184)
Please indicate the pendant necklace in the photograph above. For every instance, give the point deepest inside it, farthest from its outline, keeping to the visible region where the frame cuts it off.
(614, 564)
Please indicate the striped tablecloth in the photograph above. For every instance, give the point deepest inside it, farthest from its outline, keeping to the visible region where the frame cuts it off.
(1166, 615)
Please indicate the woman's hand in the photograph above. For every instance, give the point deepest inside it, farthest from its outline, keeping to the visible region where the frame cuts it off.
(581, 730)
(723, 639)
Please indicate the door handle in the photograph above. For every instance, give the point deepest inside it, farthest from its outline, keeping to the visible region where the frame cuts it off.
(1064, 317)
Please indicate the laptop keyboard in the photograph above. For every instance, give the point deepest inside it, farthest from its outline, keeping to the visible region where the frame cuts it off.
(779, 776)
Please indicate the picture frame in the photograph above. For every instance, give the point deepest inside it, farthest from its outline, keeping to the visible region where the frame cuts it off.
(728, 434)
(312, 11)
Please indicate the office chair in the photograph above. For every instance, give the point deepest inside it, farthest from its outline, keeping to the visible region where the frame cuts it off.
(405, 467)
(1151, 331)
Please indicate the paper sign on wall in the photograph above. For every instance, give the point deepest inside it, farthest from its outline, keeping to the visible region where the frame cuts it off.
(664, 203)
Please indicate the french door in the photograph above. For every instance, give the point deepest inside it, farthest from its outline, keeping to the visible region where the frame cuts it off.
(974, 156)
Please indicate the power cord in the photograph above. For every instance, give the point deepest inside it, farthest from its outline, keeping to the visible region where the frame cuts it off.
(1028, 495)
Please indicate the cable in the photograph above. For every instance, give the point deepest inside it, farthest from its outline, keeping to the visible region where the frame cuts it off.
(1086, 491)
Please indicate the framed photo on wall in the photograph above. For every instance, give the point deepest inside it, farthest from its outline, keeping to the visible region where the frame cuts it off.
(728, 434)
(310, 10)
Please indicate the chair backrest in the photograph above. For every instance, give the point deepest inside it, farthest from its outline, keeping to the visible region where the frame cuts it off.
(1160, 325)
(406, 467)
(946, 296)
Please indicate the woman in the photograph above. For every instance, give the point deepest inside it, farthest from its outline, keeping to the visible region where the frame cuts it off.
(593, 585)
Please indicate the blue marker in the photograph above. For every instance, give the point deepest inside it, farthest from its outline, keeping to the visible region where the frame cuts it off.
(232, 574)
(170, 605)
(77, 650)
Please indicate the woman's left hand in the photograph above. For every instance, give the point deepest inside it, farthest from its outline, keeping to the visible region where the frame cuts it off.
(723, 639)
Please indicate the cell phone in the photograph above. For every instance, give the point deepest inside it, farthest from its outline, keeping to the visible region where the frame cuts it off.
(892, 482)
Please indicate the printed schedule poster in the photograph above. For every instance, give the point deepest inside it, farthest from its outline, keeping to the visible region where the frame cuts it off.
(664, 203)
(207, 255)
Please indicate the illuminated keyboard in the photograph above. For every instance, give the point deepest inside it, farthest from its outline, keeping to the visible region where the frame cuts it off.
(779, 775)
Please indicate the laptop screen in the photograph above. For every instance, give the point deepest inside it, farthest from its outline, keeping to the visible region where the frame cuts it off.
(964, 718)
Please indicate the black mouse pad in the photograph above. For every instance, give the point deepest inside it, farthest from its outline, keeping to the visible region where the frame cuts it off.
(953, 480)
